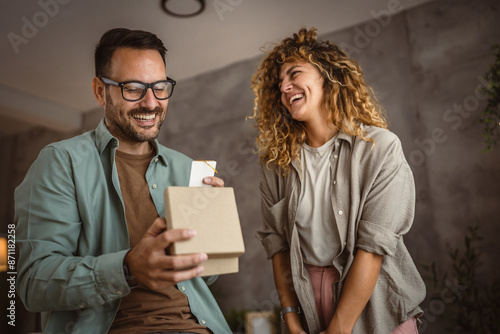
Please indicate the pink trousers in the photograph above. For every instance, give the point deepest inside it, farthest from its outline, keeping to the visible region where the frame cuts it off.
(322, 280)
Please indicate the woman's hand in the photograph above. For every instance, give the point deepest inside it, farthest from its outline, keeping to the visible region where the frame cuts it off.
(335, 330)
(292, 322)
(299, 332)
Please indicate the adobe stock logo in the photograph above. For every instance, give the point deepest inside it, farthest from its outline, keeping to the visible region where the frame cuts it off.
(30, 28)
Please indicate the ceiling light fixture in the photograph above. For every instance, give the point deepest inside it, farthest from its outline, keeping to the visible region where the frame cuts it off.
(183, 8)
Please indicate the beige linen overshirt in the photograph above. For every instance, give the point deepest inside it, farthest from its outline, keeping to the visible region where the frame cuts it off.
(373, 199)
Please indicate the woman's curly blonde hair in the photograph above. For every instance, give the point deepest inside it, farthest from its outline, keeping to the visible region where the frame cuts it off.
(348, 100)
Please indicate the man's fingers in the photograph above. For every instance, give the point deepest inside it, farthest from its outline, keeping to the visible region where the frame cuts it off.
(174, 269)
(167, 238)
(214, 181)
(168, 277)
(183, 275)
(181, 262)
(157, 228)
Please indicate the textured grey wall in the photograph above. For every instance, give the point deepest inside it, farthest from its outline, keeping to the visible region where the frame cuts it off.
(424, 64)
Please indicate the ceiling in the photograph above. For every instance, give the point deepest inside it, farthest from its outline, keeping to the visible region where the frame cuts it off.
(47, 45)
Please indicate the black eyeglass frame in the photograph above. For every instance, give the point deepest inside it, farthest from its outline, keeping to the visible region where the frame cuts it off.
(108, 81)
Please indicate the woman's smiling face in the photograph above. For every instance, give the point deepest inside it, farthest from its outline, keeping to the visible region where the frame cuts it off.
(301, 85)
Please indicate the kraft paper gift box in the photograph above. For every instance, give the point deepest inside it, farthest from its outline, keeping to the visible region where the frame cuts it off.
(213, 214)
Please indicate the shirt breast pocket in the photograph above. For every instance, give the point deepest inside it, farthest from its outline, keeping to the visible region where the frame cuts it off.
(278, 214)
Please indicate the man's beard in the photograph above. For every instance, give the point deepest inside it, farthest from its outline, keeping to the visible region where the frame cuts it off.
(123, 129)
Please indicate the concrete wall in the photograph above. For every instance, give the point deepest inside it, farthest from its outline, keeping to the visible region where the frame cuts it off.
(424, 65)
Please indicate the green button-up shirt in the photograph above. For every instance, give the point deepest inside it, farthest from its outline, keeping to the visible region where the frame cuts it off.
(72, 234)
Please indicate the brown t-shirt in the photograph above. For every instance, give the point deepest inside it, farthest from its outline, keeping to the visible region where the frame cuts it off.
(144, 310)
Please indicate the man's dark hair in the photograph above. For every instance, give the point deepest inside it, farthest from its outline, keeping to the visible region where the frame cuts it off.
(123, 38)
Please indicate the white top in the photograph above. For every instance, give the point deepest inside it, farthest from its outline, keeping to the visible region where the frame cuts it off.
(315, 220)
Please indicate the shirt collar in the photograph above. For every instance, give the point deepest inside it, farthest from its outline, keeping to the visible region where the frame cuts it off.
(341, 136)
(159, 154)
(347, 137)
(350, 138)
(104, 138)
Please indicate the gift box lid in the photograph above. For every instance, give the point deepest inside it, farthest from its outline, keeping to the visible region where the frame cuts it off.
(212, 213)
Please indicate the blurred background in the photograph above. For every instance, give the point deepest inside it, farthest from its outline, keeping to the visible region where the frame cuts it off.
(426, 60)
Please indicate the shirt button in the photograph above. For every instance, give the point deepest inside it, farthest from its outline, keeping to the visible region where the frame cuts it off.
(156, 159)
(154, 186)
(345, 243)
(81, 306)
(203, 322)
(334, 181)
(119, 293)
(341, 212)
(335, 156)
(183, 288)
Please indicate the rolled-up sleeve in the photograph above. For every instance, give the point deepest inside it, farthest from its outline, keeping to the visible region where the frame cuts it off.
(274, 214)
(389, 206)
(51, 275)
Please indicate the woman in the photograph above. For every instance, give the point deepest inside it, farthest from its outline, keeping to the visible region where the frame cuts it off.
(337, 195)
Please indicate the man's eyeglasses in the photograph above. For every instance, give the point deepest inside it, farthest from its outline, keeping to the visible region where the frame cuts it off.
(135, 90)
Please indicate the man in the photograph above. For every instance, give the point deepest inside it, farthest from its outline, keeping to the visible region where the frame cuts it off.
(93, 248)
